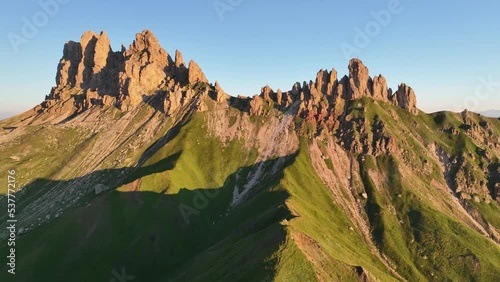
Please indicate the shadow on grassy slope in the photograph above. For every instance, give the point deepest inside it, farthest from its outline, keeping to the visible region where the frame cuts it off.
(189, 236)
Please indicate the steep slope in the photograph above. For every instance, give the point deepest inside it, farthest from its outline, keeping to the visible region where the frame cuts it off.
(135, 163)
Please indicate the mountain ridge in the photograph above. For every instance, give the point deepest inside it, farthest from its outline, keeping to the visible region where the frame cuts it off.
(90, 74)
(135, 161)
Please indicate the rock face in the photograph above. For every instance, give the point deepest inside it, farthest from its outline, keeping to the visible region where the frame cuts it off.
(322, 81)
(83, 62)
(405, 98)
(145, 69)
(220, 95)
(323, 100)
(94, 75)
(360, 82)
(380, 91)
(68, 66)
(195, 74)
(179, 61)
(181, 71)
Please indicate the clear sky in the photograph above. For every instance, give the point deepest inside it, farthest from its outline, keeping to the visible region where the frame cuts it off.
(448, 51)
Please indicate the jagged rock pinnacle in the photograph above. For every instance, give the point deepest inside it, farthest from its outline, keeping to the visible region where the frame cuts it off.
(195, 73)
(360, 83)
(179, 62)
(405, 98)
(83, 61)
(380, 90)
(144, 69)
(357, 85)
(124, 78)
(129, 77)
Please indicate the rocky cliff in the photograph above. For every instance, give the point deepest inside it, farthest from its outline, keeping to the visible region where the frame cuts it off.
(91, 74)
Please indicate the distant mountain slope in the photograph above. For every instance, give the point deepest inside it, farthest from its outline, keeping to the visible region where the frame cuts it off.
(136, 164)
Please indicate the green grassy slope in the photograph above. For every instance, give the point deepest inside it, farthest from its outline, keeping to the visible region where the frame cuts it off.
(171, 219)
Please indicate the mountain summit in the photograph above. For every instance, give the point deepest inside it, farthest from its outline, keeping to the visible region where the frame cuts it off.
(91, 74)
(101, 77)
(135, 165)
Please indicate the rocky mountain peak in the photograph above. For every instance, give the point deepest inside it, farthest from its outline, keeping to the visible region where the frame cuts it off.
(322, 80)
(144, 40)
(179, 61)
(147, 46)
(323, 98)
(91, 73)
(145, 70)
(83, 60)
(195, 74)
(100, 76)
(267, 92)
(360, 82)
(380, 90)
(405, 98)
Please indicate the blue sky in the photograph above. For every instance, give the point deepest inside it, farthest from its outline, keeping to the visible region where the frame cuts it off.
(448, 51)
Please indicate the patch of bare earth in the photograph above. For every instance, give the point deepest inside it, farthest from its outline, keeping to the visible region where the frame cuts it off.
(273, 139)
